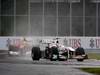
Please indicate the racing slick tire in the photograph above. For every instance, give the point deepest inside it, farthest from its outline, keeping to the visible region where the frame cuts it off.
(79, 51)
(36, 53)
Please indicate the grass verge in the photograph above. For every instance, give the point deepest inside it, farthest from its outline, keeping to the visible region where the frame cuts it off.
(94, 56)
(92, 70)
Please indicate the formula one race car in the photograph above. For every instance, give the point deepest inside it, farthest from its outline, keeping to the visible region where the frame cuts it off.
(18, 48)
(56, 51)
(53, 51)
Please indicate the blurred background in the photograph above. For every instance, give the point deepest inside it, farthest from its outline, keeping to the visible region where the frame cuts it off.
(49, 17)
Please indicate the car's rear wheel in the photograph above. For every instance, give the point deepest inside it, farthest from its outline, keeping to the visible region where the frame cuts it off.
(36, 53)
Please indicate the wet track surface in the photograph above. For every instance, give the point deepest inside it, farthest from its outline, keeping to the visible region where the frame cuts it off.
(28, 60)
(24, 65)
(31, 69)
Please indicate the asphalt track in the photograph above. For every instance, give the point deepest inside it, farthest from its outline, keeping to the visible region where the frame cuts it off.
(26, 59)
(24, 65)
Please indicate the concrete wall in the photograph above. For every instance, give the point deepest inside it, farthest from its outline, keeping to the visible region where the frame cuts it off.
(88, 43)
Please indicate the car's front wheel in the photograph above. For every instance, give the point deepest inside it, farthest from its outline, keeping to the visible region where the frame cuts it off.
(36, 53)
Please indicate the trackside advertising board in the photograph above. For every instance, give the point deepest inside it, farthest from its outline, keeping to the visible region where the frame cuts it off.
(86, 42)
